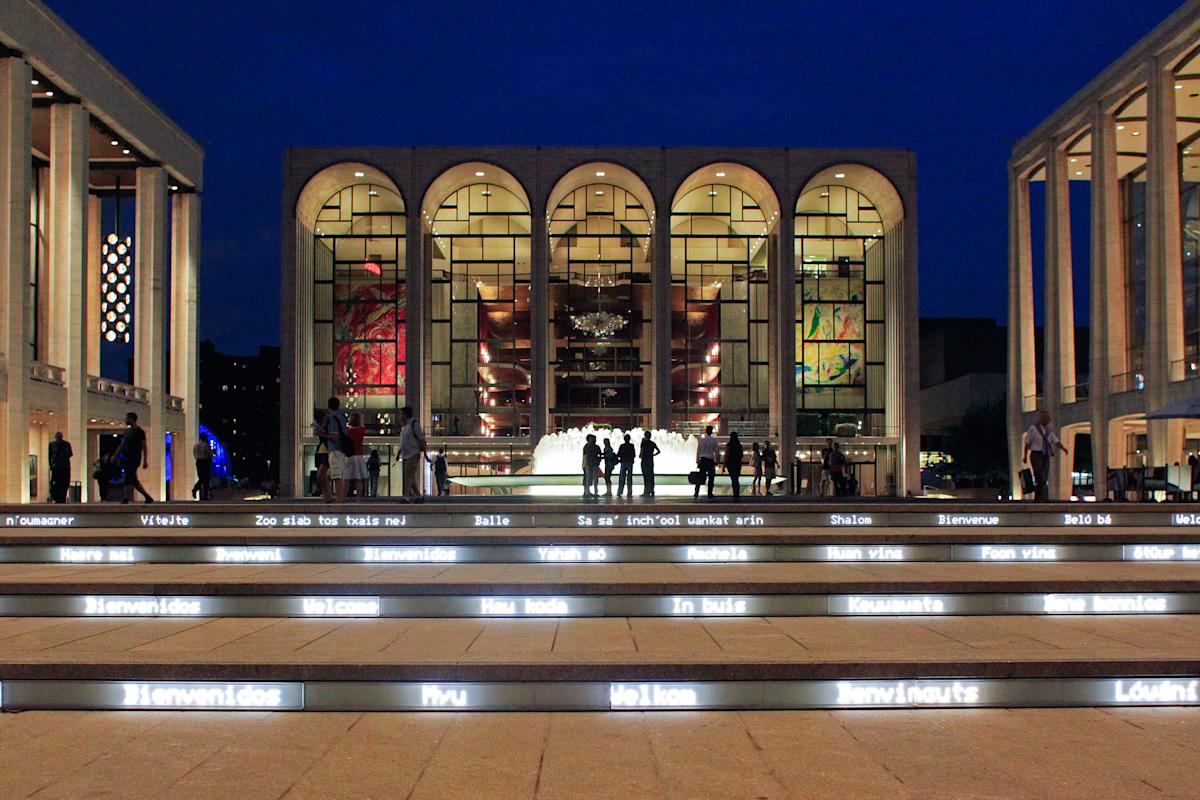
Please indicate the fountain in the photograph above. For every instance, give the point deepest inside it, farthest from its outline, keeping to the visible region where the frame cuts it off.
(561, 454)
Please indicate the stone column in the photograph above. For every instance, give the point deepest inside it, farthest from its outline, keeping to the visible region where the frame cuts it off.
(783, 310)
(68, 304)
(1059, 322)
(15, 145)
(1108, 339)
(416, 283)
(185, 373)
(91, 288)
(1164, 260)
(149, 306)
(1022, 375)
(660, 290)
(539, 323)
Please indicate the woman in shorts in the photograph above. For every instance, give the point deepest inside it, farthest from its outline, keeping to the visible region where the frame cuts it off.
(356, 463)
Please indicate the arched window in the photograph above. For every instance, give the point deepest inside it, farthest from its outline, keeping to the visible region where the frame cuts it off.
(721, 222)
(359, 302)
(600, 304)
(479, 261)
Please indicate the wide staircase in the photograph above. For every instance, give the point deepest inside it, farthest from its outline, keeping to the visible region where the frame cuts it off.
(504, 606)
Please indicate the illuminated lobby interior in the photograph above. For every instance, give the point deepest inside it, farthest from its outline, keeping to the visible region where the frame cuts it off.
(511, 293)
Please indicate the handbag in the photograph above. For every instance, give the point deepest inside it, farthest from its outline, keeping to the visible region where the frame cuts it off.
(695, 478)
(1027, 483)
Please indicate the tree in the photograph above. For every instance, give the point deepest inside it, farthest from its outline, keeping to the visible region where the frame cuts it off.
(978, 444)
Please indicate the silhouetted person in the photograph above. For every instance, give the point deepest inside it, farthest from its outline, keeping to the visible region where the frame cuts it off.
(770, 463)
(60, 468)
(336, 434)
(441, 472)
(610, 463)
(592, 456)
(374, 465)
(1040, 446)
(648, 451)
(412, 450)
(202, 452)
(626, 454)
(706, 461)
(733, 463)
(756, 465)
(837, 470)
(131, 453)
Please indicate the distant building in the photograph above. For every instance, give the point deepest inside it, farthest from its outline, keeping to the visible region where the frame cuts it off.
(962, 365)
(239, 403)
(1128, 142)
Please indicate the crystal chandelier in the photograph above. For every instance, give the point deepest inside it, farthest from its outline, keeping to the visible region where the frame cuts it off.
(599, 324)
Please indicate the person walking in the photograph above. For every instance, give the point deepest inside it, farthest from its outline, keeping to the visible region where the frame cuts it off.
(412, 451)
(733, 463)
(59, 459)
(610, 463)
(626, 454)
(770, 463)
(756, 465)
(592, 455)
(321, 457)
(131, 452)
(356, 460)
(706, 461)
(837, 470)
(337, 439)
(202, 453)
(374, 465)
(441, 472)
(826, 472)
(648, 451)
(1040, 446)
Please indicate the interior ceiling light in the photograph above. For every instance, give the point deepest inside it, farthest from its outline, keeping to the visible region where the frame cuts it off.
(600, 174)
(1178, 86)
(360, 174)
(1137, 133)
(1120, 127)
(720, 174)
(114, 143)
(1078, 172)
(479, 174)
(34, 82)
(174, 187)
(125, 151)
(839, 175)
(599, 192)
(49, 93)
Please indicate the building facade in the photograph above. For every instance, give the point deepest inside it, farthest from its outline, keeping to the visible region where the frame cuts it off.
(507, 293)
(1124, 153)
(99, 257)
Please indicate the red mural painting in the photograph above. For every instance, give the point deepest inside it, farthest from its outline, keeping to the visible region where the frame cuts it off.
(369, 336)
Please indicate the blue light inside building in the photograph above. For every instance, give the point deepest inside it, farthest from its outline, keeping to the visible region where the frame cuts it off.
(220, 455)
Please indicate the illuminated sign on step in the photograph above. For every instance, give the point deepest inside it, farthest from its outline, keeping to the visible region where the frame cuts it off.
(907, 693)
(196, 695)
(143, 607)
(651, 695)
(340, 606)
(414, 555)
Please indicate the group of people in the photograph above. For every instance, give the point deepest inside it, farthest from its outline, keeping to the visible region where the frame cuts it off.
(344, 469)
(836, 477)
(599, 462)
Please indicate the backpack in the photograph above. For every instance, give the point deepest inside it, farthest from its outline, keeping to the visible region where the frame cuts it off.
(345, 443)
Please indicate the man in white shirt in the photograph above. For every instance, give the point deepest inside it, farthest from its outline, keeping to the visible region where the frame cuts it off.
(1040, 444)
(706, 460)
(412, 449)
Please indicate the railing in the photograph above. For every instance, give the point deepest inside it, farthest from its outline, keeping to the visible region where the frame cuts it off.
(121, 391)
(1128, 382)
(47, 373)
(1076, 393)
(1031, 402)
(1185, 369)
(174, 403)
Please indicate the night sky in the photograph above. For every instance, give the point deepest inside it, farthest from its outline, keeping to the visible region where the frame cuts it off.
(957, 82)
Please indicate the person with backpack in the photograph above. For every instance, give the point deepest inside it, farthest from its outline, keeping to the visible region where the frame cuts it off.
(626, 454)
(1040, 446)
(337, 438)
(610, 463)
(441, 472)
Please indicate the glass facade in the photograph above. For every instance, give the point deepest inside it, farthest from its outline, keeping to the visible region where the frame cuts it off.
(840, 305)
(359, 313)
(1133, 215)
(1189, 212)
(720, 261)
(478, 251)
(600, 309)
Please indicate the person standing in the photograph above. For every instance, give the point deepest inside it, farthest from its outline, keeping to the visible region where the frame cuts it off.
(706, 461)
(648, 452)
(826, 472)
(592, 456)
(412, 451)
(60, 468)
(1040, 446)
(626, 454)
(202, 452)
(837, 470)
(337, 440)
(610, 463)
(131, 452)
(756, 465)
(102, 475)
(770, 464)
(441, 472)
(733, 463)
(374, 465)
(356, 460)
